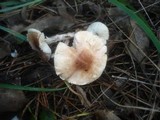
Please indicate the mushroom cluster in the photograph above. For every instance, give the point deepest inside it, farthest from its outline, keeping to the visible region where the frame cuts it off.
(84, 61)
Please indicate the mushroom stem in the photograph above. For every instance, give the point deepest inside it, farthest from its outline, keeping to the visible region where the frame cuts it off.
(59, 38)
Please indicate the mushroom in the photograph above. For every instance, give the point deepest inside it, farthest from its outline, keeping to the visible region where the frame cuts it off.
(100, 30)
(85, 61)
(38, 43)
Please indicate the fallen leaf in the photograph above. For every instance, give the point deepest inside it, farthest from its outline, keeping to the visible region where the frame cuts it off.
(50, 23)
(62, 10)
(134, 32)
(5, 49)
(83, 97)
(118, 16)
(90, 9)
(95, 8)
(105, 115)
(120, 19)
(141, 40)
(11, 100)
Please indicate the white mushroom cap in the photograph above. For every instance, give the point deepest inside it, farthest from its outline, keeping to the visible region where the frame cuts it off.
(84, 62)
(100, 30)
(37, 42)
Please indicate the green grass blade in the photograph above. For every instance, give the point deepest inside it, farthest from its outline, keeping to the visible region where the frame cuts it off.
(139, 21)
(26, 88)
(9, 3)
(14, 33)
(24, 4)
(46, 114)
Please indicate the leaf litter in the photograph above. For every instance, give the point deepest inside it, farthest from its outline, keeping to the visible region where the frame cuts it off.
(128, 88)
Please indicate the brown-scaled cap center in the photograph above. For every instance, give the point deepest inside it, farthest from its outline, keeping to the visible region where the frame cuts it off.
(84, 60)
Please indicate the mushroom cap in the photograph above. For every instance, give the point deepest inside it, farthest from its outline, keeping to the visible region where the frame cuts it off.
(100, 30)
(82, 63)
(37, 42)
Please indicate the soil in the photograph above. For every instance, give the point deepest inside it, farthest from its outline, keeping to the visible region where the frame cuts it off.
(128, 88)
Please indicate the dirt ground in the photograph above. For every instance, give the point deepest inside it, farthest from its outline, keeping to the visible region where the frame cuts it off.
(129, 87)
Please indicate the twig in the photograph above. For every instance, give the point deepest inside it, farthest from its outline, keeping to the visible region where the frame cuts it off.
(136, 46)
(127, 106)
(133, 80)
(146, 13)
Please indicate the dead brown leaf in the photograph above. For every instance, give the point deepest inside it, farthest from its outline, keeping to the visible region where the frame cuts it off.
(141, 40)
(11, 100)
(134, 33)
(5, 49)
(120, 19)
(96, 9)
(90, 8)
(62, 10)
(83, 97)
(106, 115)
(51, 23)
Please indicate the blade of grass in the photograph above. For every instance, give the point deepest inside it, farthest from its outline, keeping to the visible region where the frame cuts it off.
(31, 3)
(140, 22)
(14, 33)
(46, 114)
(26, 88)
(127, 4)
(9, 3)
(31, 115)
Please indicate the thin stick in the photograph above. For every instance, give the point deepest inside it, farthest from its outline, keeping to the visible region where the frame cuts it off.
(133, 80)
(128, 106)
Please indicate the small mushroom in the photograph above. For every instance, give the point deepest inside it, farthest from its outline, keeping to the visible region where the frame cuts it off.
(38, 43)
(82, 63)
(100, 30)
